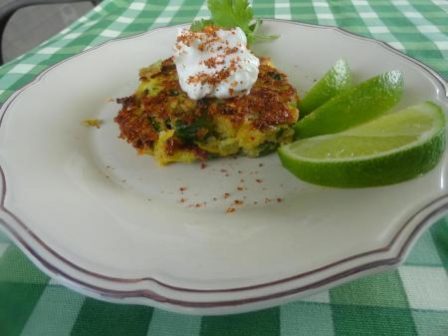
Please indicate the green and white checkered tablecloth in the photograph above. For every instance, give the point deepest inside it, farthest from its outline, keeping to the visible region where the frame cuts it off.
(412, 300)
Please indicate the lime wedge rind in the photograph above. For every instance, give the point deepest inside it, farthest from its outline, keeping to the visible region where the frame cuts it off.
(426, 138)
(367, 174)
(360, 131)
(388, 167)
(360, 104)
(335, 81)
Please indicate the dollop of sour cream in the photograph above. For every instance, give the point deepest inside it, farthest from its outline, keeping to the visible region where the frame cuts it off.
(214, 63)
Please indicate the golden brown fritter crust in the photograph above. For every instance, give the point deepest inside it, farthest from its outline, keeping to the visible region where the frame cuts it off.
(160, 104)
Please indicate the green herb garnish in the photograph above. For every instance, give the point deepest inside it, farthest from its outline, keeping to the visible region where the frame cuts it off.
(198, 25)
(231, 14)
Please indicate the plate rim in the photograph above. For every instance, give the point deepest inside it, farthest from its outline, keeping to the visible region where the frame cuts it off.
(11, 220)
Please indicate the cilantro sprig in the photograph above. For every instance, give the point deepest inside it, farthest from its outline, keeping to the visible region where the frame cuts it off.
(198, 25)
(231, 14)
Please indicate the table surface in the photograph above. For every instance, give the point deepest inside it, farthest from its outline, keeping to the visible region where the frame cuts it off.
(412, 300)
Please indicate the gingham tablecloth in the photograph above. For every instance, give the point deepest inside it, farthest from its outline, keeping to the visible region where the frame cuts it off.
(412, 300)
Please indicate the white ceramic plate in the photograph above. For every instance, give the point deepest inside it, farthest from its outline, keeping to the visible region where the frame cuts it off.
(111, 224)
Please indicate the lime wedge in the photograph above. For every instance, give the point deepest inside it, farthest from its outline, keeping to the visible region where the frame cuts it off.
(393, 148)
(334, 82)
(362, 103)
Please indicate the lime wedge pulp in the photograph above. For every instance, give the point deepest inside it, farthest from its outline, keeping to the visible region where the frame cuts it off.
(392, 148)
(355, 106)
(335, 81)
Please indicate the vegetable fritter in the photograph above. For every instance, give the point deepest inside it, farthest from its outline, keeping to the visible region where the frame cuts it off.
(159, 118)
